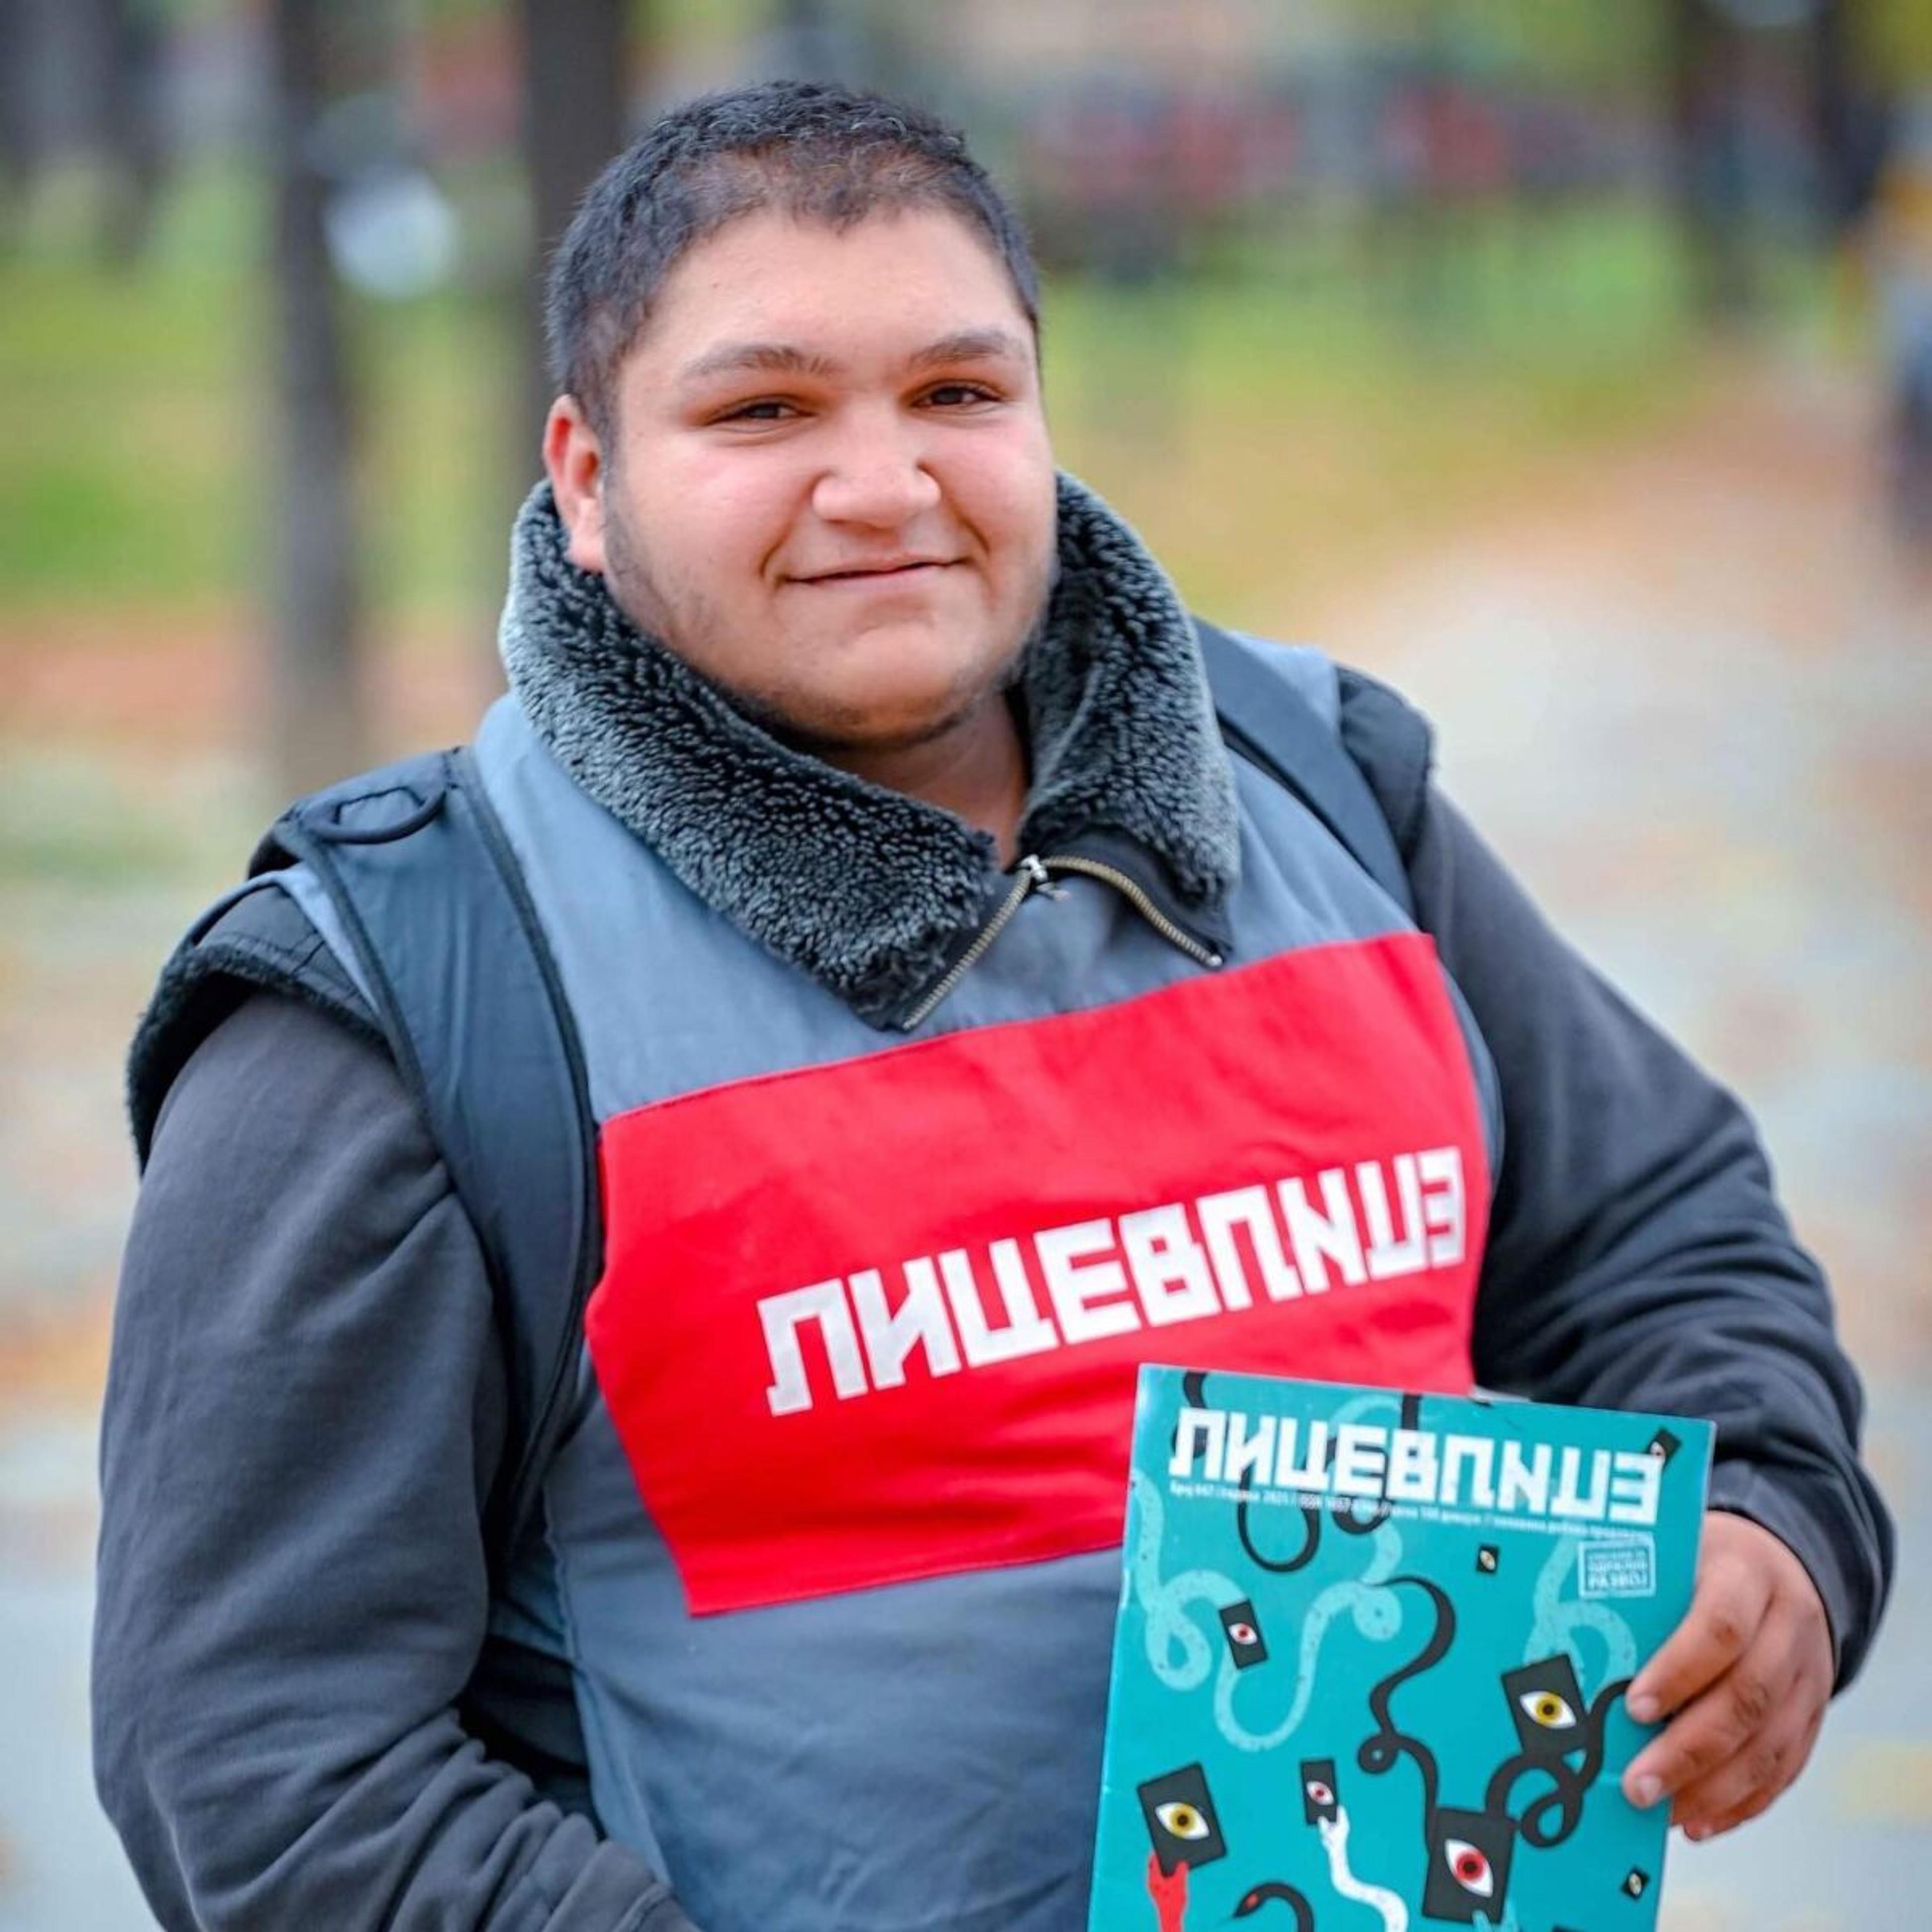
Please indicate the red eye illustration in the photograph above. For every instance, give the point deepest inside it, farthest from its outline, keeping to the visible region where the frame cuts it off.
(1319, 1791)
(1244, 1633)
(1470, 1867)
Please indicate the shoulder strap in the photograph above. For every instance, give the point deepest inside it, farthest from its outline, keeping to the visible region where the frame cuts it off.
(1265, 719)
(446, 944)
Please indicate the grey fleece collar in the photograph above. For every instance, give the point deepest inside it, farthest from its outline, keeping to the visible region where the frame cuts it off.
(868, 891)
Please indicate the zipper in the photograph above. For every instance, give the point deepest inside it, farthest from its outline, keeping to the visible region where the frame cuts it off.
(1033, 873)
(1137, 896)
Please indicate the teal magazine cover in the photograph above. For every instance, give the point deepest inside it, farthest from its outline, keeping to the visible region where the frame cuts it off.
(1372, 1652)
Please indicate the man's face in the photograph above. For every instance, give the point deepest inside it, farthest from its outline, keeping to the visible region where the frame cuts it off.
(829, 488)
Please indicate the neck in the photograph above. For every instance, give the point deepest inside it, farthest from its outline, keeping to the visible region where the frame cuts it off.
(976, 769)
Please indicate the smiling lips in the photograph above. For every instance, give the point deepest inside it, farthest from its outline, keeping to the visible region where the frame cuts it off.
(892, 570)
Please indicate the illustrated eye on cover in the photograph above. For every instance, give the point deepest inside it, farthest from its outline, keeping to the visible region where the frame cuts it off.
(1243, 1627)
(1549, 1708)
(1547, 1705)
(1319, 1801)
(1179, 1810)
(1183, 1820)
(1470, 1867)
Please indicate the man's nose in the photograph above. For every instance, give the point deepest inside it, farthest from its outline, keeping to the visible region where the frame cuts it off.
(876, 475)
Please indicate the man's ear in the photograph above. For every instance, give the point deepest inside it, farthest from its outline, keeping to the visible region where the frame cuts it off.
(575, 459)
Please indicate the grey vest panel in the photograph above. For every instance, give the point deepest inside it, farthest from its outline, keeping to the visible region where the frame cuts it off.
(707, 1005)
(834, 1762)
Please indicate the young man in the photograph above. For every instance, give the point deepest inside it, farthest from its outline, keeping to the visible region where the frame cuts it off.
(959, 1017)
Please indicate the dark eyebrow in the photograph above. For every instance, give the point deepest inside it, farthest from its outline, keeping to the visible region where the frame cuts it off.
(783, 358)
(779, 357)
(970, 345)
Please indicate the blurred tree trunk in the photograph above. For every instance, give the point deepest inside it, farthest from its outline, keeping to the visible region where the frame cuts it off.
(1706, 168)
(317, 722)
(18, 58)
(127, 44)
(1853, 119)
(575, 67)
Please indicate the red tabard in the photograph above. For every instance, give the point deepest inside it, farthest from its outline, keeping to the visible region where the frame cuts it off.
(879, 1320)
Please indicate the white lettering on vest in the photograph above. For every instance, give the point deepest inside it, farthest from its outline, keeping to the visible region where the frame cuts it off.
(918, 1321)
(1389, 1255)
(1181, 1261)
(1084, 1281)
(1329, 1236)
(1245, 1210)
(1168, 1265)
(1025, 1330)
(783, 1316)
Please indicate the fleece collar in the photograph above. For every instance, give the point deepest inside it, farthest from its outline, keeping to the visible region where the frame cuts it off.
(867, 891)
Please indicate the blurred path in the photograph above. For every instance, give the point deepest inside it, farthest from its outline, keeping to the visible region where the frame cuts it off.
(1687, 691)
(1689, 697)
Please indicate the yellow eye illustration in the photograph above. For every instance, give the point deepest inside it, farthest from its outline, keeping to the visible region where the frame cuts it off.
(1180, 1820)
(1547, 1708)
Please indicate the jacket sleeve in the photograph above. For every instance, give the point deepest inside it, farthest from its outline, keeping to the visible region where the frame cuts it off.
(1638, 1257)
(304, 1407)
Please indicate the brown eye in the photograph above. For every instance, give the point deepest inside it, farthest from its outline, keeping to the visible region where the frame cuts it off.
(1181, 1820)
(1546, 1709)
(958, 395)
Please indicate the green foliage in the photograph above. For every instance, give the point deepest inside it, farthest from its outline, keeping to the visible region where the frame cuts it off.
(1329, 388)
(1895, 37)
(133, 428)
(1323, 405)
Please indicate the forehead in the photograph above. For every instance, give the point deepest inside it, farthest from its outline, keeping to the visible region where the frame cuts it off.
(769, 277)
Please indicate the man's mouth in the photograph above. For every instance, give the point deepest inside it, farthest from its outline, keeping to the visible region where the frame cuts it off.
(892, 569)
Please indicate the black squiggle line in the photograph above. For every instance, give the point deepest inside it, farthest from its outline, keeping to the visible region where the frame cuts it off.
(1342, 1511)
(1346, 1520)
(1257, 1896)
(1193, 1395)
(1311, 1537)
(1568, 1782)
(1377, 1753)
(1350, 1524)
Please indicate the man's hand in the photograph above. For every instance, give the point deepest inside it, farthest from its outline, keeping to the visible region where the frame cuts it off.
(1744, 1680)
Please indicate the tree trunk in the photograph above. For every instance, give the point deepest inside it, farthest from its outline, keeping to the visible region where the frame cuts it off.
(1709, 191)
(128, 47)
(574, 114)
(316, 718)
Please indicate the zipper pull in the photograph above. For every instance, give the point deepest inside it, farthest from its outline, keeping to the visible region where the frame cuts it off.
(1033, 869)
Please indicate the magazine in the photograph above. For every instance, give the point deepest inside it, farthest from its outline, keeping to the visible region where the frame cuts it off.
(1372, 1647)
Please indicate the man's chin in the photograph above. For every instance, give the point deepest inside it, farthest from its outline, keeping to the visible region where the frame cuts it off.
(835, 732)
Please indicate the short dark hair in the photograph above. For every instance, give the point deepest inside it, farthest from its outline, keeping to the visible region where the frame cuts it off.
(815, 152)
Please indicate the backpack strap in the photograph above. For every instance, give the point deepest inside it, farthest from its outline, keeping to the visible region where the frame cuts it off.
(440, 935)
(1361, 781)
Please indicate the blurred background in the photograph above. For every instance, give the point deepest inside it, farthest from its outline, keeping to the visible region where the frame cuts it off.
(1570, 365)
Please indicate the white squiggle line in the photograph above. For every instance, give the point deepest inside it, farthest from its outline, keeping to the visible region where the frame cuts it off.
(1377, 1611)
(1168, 1625)
(1335, 1842)
(1557, 1621)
